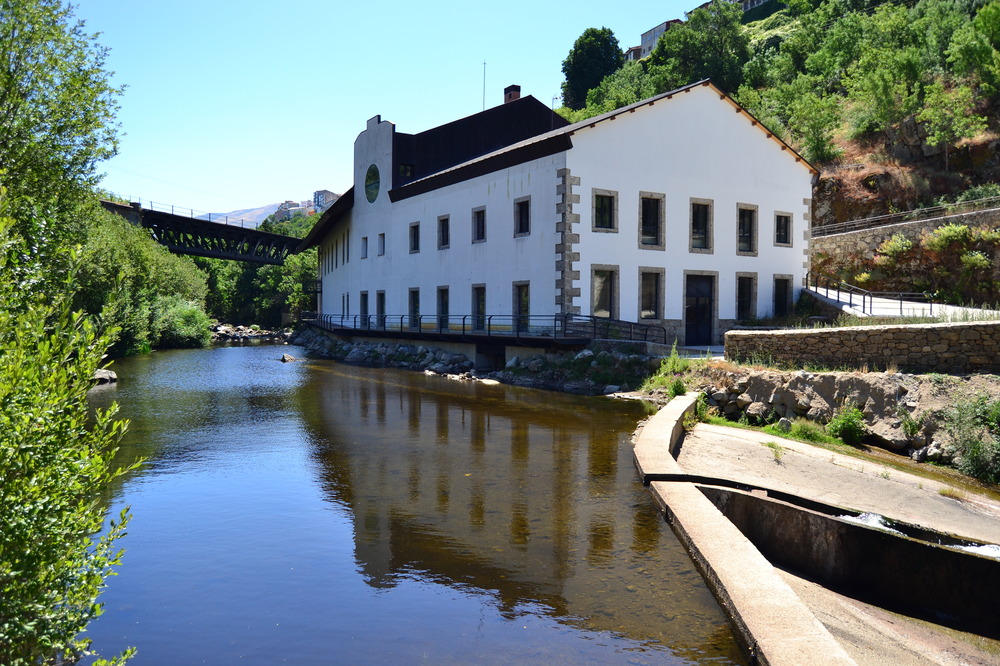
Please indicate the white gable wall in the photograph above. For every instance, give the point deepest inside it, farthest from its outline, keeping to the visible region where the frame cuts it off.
(691, 146)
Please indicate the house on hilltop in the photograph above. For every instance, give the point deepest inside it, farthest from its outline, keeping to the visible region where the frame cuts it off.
(681, 210)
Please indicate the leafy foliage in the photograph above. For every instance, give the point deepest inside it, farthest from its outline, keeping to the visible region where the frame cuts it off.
(974, 426)
(848, 425)
(57, 110)
(137, 283)
(53, 463)
(594, 55)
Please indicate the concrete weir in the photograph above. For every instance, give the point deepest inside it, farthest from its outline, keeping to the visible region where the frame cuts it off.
(775, 625)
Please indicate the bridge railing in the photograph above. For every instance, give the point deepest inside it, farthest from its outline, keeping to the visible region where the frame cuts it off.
(555, 326)
(182, 211)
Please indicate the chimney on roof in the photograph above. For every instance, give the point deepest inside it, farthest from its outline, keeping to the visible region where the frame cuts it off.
(511, 93)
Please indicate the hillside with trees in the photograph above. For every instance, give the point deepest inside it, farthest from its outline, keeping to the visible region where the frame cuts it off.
(896, 102)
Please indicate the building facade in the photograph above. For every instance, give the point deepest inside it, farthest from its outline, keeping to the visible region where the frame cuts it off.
(681, 211)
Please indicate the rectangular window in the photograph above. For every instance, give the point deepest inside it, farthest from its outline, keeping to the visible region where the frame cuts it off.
(478, 307)
(363, 310)
(649, 295)
(746, 296)
(444, 232)
(605, 210)
(782, 296)
(380, 309)
(414, 237)
(700, 226)
(479, 225)
(651, 221)
(522, 217)
(522, 306)
(414, 308)
(746, 231)
(364, 247)
(604, 288)
(381, 244)
(442, 308)
(782, 229)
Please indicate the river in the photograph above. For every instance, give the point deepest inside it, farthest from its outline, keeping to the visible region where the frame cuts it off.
(315, 512)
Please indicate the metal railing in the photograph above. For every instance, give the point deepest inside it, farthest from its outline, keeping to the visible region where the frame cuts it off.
(181, 211)
(917, 215)
(555, 326)
(856, 297)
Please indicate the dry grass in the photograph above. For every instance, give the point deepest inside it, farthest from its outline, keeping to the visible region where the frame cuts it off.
(953, 493)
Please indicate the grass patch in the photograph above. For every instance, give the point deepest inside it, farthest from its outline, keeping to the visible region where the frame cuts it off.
(953, 493)
(776, 449)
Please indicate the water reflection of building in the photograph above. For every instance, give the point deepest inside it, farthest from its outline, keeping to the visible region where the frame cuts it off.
(533, 501)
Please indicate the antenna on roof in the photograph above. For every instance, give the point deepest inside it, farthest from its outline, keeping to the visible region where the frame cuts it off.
(484, 85)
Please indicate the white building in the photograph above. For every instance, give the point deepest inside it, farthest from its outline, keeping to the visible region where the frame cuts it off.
(681, 210)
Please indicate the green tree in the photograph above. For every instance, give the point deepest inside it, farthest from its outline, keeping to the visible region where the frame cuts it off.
(711, 44)
(948, 116)
(813, 119)
(57, 116)
(54, 461)
(594, 55)
(626, 86)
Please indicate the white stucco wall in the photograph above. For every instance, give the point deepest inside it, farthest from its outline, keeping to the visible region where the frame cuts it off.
(691, 146)
(496, 263)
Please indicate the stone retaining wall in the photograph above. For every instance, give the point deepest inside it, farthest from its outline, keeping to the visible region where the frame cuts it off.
(948, 348)
(867, 241)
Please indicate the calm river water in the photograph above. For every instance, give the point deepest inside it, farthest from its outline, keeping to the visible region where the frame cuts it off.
(313, 513)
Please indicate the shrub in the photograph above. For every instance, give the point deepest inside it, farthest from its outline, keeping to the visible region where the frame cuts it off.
(181, 323)
(677, 388)
(985, 191)
(974, 426)
(54, 461)
(847, 425)
(947, 237)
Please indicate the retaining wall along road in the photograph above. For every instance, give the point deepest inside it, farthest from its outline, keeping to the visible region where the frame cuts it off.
(950, 348)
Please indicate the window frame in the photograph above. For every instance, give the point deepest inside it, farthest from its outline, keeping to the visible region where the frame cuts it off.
(522, 217)
(613, 196)
(476, 213)
(414, 237)
(752, 306)
(381, 244)
(615, 274)
(444, 232)
(364, 247)
(752, 210)
(709, 247)
(660, 274)
(788, 221)
(660, 222)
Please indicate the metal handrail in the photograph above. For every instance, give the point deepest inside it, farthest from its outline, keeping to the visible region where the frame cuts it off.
(867, 298)
(555, 326)
(916, 215)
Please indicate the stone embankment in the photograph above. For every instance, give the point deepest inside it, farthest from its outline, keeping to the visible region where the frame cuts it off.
(902, 412)
(593, 371)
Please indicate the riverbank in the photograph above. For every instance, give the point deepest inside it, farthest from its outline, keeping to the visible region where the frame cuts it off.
(776, 611)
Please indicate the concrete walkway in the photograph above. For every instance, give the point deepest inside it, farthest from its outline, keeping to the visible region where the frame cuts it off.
(891, 307)
(785, 619)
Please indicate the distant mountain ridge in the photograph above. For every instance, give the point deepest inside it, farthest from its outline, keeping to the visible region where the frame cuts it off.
(252, 217)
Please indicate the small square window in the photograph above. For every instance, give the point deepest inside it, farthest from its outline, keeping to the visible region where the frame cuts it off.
(479, 225)
(522, 217)
(414, 238)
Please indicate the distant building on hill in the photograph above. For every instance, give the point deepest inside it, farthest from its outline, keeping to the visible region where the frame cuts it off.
(652, 36)
(323, 199)
(634, 53)
(288, 209)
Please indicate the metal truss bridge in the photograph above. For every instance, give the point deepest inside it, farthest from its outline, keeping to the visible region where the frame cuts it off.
(223, 239)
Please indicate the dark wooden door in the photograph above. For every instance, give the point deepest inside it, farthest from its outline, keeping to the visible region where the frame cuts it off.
(698, 309)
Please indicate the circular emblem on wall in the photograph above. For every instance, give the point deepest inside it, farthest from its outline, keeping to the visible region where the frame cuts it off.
(372, 183)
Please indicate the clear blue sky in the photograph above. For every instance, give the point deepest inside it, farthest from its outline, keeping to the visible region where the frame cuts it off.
(236, 105)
